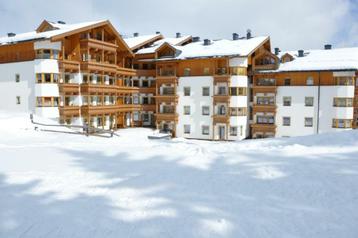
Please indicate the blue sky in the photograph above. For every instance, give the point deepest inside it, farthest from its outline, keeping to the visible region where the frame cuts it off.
(291, 24)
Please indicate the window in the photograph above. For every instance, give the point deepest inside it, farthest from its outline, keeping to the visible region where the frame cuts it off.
(238, 91)
(17, 78)
(286, 121)
(261, 119)
(287, 82)
(238, 111)
(309, 81)
(233, 130)
(205, 130)
(205, 110)
(187, 72)
(186, 110)
(39, 78)
(241, 130)
(238, 71)
(186, 129)
(343, 102)
(222, 90)
(308, 101)
(206, 71)
(342, 123)
(206, 91)
(344, 81)
(186, 91)
(308, 121)
(287, 101)
(18, 100)
(265, 100)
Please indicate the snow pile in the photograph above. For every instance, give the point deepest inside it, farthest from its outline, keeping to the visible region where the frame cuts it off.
(59, 185)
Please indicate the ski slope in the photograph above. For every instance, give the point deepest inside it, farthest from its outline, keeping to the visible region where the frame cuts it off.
(62, 185)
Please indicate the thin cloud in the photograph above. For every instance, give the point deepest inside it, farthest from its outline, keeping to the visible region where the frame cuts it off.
(291, 24)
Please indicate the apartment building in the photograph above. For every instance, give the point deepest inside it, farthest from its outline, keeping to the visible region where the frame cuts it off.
(306, 92)
(145, 48)
(202, 87)
(72, 72)
(87, 74)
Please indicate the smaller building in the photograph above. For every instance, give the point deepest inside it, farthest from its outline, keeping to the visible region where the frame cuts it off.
(309, 92)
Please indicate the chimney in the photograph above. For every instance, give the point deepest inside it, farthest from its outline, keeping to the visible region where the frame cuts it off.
(328, 47)
(206, 42)
(157, 32)
(136, 34)
(248, 34)
(196, 39)
(11, 34)
(235, 36)
(277, 51)
(178, 34)
(301, 53)
(61, 22)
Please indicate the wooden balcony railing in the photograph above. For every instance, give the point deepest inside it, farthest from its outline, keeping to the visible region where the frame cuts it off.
(69, 111)
(221, 99)
(69, 65)
(167, 98)
(225, 119)
(98, 44)
(69, 88)
(98, 66)
(166, 117)
(264, 108)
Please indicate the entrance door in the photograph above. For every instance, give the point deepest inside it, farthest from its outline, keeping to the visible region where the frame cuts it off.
(222, 132)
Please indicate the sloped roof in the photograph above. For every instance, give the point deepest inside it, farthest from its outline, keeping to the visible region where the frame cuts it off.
(139, 41)
(218, 48)
(157, 44)
(33, 35)
(313, 60)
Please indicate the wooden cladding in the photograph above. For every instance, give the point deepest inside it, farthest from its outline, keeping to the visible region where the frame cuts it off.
(17, 52)
(313, 78)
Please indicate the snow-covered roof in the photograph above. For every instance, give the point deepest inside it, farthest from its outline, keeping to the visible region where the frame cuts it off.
(157, 44)
(133, 42)
(334, 59)
(33, 35)
(219, 48)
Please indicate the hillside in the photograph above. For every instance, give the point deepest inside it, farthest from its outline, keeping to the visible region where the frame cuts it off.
(62, 185)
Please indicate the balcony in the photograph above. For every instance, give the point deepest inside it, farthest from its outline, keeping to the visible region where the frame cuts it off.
(225, 119)
(166, 98)
(166, 80)
(69, 65)
(149, 90)
(129, 107)
(166, 117)
(266, 67)
(221, 98)
(66, 111)
(69, 88)
(93, 65)
(98, 44)
(87, 88)
(149, 107)
(127, 90)
(263, 128)
(264, 108)
(126, 71)
(146, 72)
(103, 109)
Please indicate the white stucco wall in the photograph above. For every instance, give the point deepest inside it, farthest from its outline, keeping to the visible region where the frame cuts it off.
(298, 111)
(196, 120)
(9, 89)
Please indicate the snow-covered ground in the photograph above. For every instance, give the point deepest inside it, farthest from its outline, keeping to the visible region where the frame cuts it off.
(62, 185)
